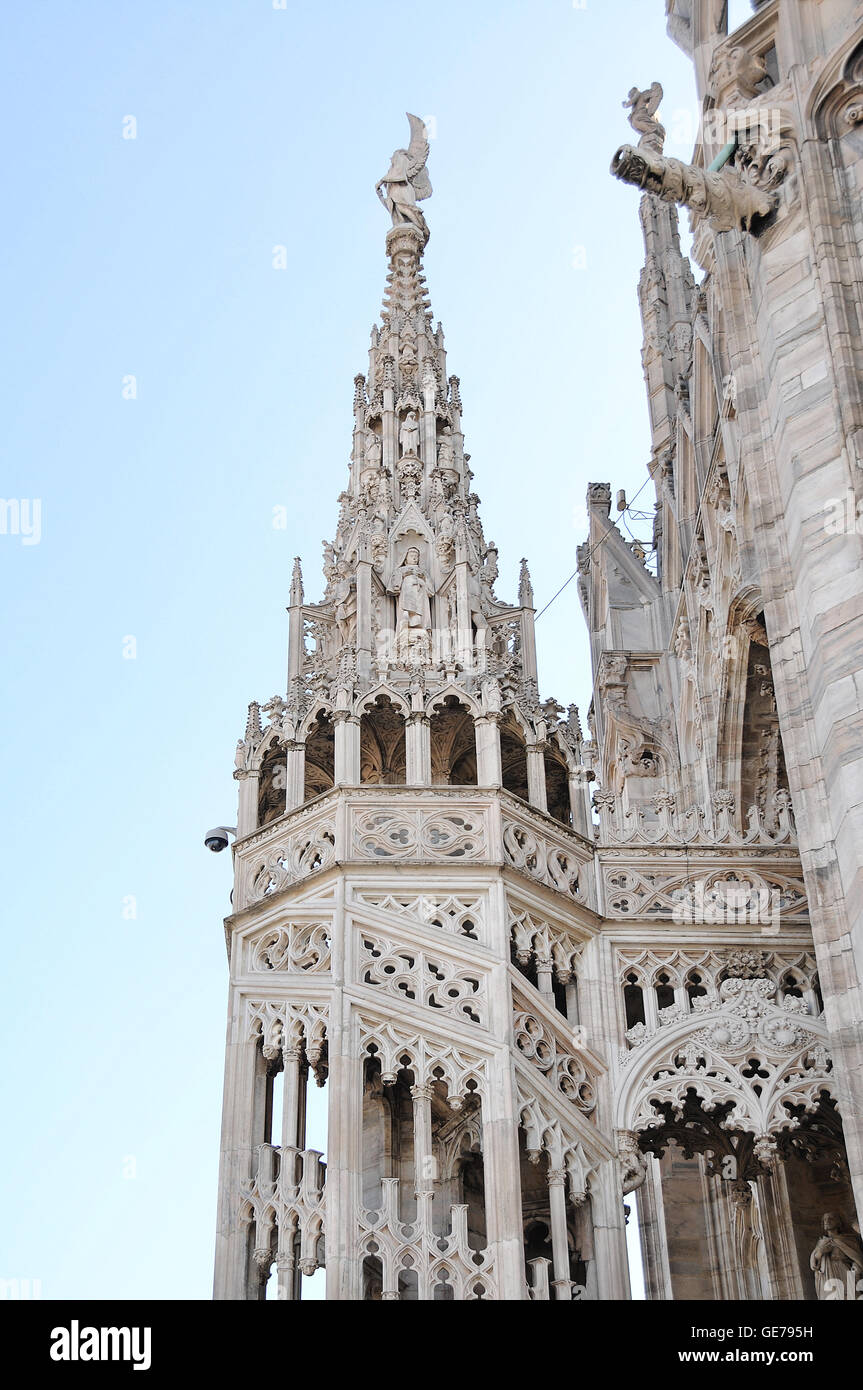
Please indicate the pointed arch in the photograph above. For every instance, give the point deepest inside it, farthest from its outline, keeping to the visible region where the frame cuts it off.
(383, 745)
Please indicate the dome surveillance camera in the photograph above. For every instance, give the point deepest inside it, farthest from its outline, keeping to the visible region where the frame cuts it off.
(217, 839)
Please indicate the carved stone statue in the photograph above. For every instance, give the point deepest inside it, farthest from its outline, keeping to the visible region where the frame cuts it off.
(633, 1163)
(837, 1254)
(413, 621)
(474, 599)
(407, 181)
(373, 450)
(642, 116)
(345, 596)
(409, 434)
(446, 452)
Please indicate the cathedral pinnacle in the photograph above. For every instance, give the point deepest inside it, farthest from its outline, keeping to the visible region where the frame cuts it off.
(297, 583)
(525, 588)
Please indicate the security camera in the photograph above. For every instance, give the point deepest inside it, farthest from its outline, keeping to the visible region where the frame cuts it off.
(217, 839)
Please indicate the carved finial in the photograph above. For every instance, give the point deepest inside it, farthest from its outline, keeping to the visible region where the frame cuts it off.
(525, 588)
(359, 392)
(297, 584)
(407, 182)
(642, 116)
(574, 722)
(253, 723)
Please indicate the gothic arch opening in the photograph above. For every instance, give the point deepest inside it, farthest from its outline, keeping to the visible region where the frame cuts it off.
(756, 1219)
(320, 760)
(272, 786)
(383, 758)
(555, 1247)
(453, 744)
(762, 758)
(557, 784)
(513, 758)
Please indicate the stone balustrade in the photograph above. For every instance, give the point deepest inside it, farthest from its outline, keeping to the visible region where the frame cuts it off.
(428, 825)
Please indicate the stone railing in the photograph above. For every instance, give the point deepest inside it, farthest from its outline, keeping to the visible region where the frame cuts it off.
(660, 822)
(434, 825)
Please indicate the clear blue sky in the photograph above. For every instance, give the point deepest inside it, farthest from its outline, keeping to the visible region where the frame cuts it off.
(152, 257)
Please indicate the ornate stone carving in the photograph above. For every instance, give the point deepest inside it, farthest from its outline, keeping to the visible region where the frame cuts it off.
(463, 917)
(433, 982)
(642, 108)
(296, 946)
(541, 859)
(837, 1260)
(725, 198)
(406, 182)
(402, 834)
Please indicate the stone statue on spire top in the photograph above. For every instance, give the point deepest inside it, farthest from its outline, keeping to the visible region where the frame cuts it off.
(406, 181)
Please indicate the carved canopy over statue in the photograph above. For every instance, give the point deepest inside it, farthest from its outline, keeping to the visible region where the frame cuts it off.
(407, 182)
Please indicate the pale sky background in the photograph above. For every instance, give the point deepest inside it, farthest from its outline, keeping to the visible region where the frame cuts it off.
(152, 257)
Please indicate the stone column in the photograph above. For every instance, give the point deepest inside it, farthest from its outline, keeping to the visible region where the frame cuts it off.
(501, 1158)
(295, 775)
(539, 1279)
(291, 1110)
(544, 980)
(243, 1121)
(364, 612)
(559, 1241)
(347, 749)
(488, 764)
(418, 750)
(651, 1228)
(609, 1233)
(424, 1175)
(536, 776)
(247, 801)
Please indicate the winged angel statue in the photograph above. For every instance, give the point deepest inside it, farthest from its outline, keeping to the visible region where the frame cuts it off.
(406, 181)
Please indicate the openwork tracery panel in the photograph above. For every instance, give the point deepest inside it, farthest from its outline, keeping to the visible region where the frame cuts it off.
(420, 978)
(463, 916)
(550, 1049)
(542, 858)
(406, 834)
(291, 946)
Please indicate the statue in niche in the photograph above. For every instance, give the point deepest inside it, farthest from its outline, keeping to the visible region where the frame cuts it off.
(642, 108)
(489, 573)
(373, 450)
(413, 620)
(409, 434)
(477, 617)
(406, 181)
(446, 451)
(837, 1254)
(345, 598)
